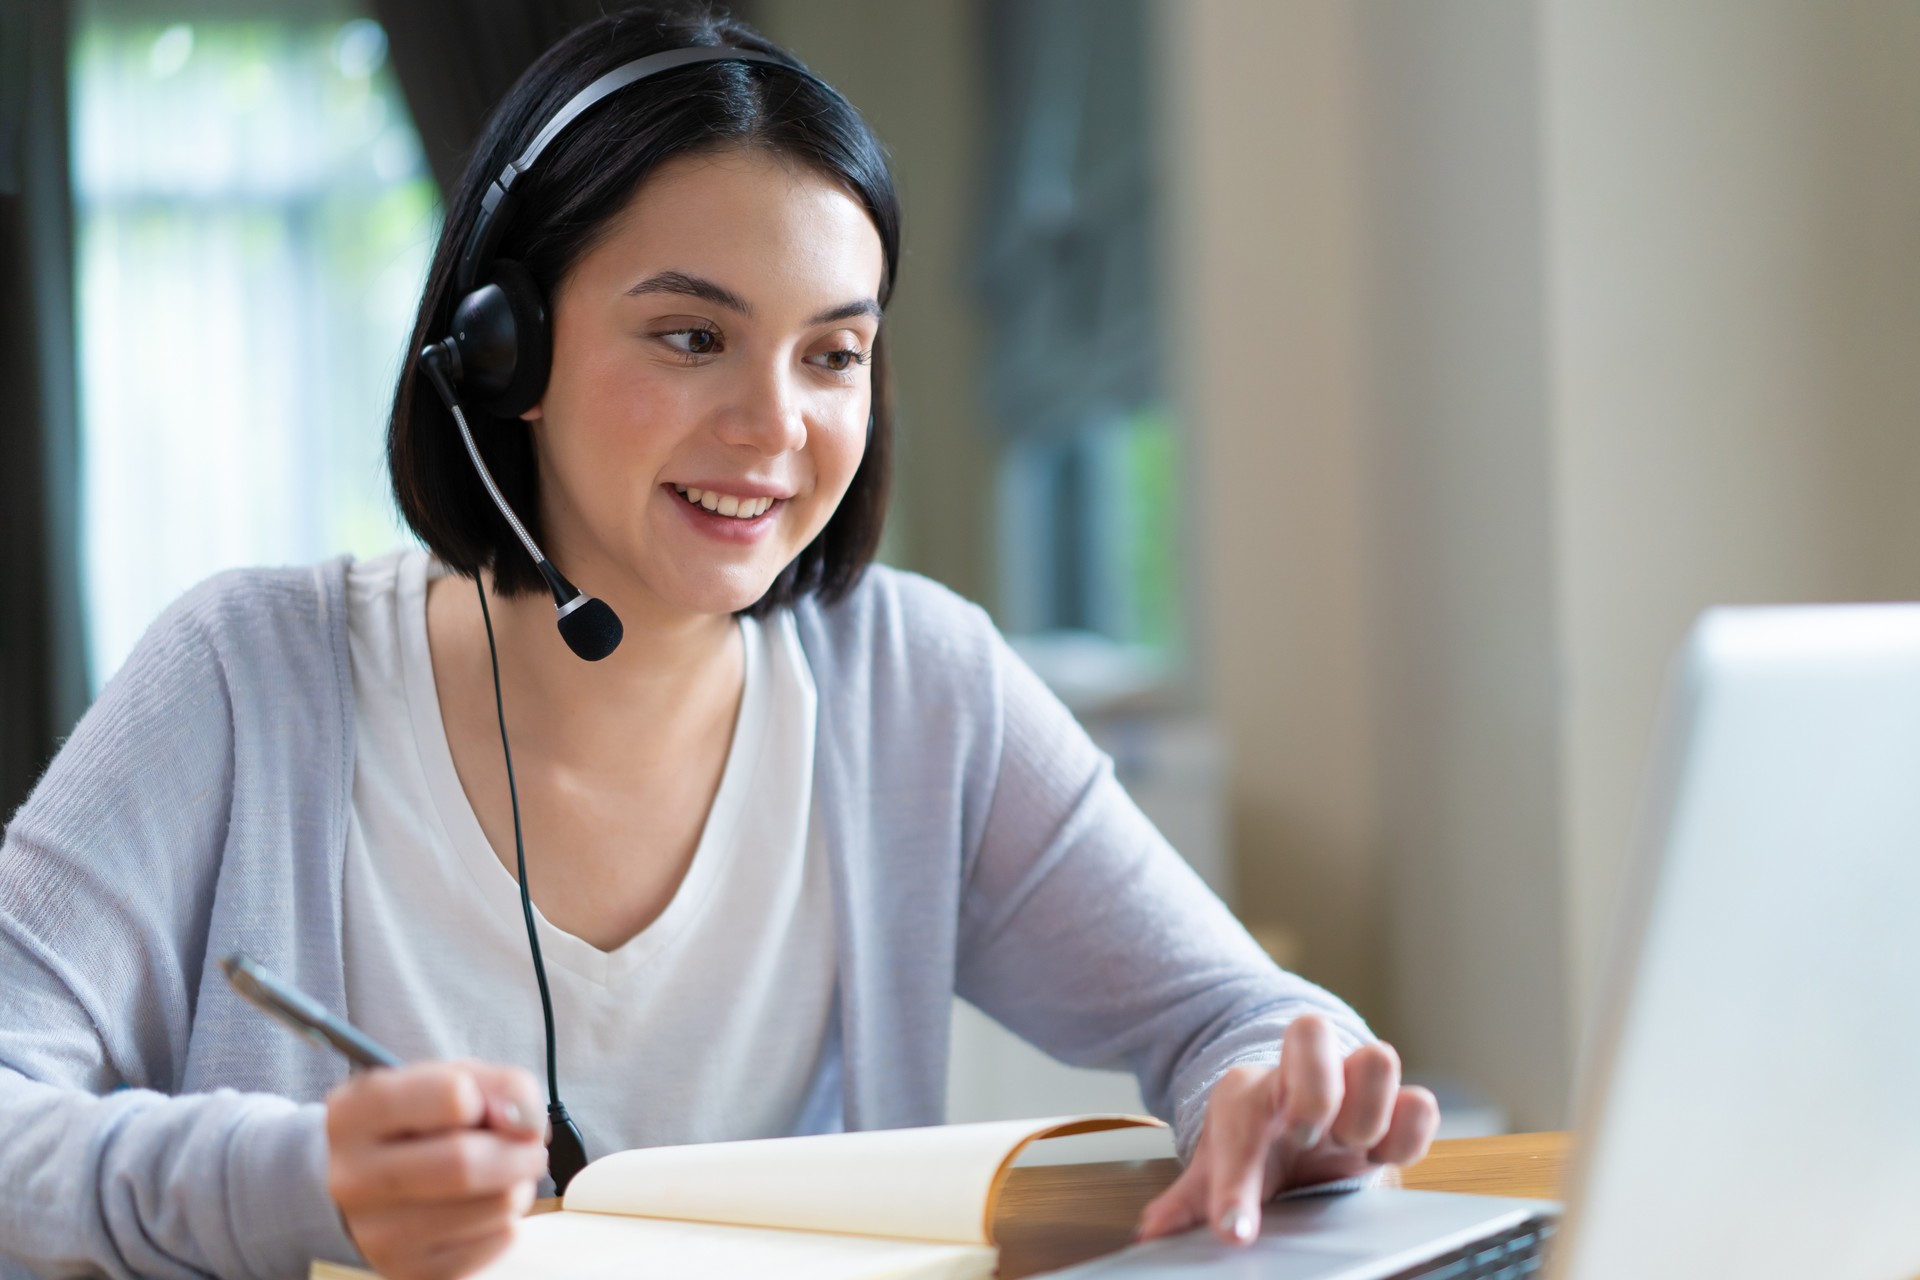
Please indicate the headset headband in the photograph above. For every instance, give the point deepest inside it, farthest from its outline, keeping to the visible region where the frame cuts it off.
(497, 203)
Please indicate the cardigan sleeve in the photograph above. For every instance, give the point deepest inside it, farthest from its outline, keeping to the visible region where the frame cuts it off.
(107, 876)
(1086, 934)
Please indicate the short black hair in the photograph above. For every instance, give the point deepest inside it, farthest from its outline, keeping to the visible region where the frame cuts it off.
(562, 209)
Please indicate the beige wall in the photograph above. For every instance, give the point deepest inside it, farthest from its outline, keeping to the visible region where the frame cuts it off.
(1460, 508)
(1259, 178)
(1735, 257)
(1374, 511)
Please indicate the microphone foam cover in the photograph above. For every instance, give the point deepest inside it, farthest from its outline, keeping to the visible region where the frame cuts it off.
(592, 631)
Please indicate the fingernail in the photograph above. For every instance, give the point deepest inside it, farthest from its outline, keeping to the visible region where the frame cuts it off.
(513, 1115)
(1307, 1134)
(1239, 1223)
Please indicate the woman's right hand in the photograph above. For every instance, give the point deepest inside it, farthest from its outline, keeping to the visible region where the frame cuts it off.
(431, 1165)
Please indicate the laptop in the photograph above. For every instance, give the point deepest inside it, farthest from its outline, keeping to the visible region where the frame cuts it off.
(1749, 1101)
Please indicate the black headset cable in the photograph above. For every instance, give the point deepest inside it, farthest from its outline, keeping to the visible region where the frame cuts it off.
(566, 1152)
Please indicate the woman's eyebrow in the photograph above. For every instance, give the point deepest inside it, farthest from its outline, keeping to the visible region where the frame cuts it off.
(693, 287)
(681, 283)
(847, 311)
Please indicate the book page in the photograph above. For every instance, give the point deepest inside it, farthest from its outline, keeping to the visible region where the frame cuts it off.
(595, 1246)
(936, 1183)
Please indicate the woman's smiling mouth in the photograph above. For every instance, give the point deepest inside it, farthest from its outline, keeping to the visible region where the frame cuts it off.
(726, 504)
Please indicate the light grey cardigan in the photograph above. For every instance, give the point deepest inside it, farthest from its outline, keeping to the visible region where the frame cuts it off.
(153, 1125)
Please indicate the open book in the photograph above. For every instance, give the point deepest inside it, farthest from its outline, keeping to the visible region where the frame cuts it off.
(879, 1204)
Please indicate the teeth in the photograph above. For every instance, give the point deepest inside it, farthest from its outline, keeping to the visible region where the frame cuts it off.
(726, 504)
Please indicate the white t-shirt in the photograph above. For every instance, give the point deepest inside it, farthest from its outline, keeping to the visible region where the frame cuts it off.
(717, 1021)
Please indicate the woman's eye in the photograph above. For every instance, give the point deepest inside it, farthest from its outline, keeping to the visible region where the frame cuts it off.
(843, 360)
(693, 342)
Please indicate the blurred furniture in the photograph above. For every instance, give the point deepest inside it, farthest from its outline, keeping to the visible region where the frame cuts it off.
(1060, 1215)
(1465, 1112)
(1514, 1164)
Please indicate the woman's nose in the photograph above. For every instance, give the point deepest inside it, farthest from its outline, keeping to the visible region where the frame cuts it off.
(769, 417)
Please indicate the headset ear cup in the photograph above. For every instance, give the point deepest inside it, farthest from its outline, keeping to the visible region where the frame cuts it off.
(533, 340)
(500, 331)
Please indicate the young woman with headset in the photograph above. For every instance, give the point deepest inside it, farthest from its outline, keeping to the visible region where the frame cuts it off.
(774, 805)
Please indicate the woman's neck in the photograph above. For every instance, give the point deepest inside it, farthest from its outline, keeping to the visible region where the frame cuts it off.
(673, 675)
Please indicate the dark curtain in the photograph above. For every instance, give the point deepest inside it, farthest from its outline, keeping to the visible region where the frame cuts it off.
(43, 674)
(456, 58)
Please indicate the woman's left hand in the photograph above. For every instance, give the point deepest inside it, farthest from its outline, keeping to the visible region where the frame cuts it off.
(1312, 1118)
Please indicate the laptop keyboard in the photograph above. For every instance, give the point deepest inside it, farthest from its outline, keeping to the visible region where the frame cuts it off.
(1511, 1255)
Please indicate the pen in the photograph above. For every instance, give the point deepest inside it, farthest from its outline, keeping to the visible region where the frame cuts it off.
(302, 1014)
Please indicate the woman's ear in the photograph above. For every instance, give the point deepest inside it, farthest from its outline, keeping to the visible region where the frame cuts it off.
(531, 415)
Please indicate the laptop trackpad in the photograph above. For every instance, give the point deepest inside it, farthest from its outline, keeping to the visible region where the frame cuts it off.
(1359, 1234)
(1267, 1258)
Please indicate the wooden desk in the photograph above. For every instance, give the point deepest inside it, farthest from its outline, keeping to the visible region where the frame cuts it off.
(1055, 1216)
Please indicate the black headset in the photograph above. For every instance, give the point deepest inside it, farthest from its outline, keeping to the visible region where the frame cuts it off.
(500, 350)
(497, 359)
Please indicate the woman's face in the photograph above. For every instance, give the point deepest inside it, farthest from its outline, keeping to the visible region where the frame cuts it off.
(711, 382)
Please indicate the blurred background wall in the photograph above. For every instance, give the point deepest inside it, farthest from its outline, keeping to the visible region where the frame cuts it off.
(1347, 406)
(1517, 334)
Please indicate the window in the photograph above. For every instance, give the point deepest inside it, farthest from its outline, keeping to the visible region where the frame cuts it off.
(1089, 520)
(254, 219)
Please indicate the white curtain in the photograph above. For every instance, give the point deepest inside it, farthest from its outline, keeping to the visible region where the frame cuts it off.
(254, 221)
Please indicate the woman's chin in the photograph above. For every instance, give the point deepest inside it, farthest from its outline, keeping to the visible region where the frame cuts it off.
(724, 591)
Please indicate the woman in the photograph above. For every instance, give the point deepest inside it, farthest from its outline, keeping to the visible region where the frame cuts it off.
(801, 804)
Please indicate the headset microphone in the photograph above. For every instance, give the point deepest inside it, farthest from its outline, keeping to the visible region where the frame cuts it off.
(590, 628)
